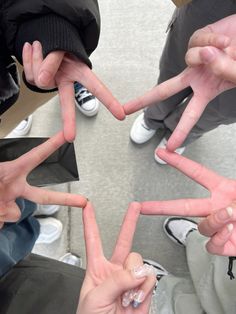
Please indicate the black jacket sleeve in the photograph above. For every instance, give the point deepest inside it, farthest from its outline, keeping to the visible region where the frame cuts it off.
(72, 26)
(54, 33)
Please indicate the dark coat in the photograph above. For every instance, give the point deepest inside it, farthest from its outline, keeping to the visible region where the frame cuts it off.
(71, 25)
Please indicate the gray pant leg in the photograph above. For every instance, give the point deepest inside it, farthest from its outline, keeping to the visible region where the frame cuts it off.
(207, 290)
(186, 20)
(214, 289)
(221, 110)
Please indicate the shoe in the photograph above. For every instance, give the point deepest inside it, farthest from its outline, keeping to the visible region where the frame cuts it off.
(140, 133)
(50, 230)
(162, 144)
(160, 270)
(71, 259)
(178, 228)
(22, 128)
(85, 101)
(46, 210)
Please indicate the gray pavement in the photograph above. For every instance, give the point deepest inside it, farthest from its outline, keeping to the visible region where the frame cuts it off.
(114, 171)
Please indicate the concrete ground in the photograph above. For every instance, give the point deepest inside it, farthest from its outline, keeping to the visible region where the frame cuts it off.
(114, 171)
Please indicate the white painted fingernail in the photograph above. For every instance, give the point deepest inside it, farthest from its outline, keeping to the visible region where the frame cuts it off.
(125, 302)
(128, 297)
(138, 299)
(143, 271)
(230, 227)
(229, 211)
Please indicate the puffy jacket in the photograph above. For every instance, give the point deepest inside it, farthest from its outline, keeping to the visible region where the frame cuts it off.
(71, 25)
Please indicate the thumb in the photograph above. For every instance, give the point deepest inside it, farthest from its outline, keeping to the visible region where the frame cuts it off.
(49, 67)
(118, 283)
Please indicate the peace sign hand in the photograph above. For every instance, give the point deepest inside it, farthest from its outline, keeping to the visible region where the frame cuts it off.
(109, 286)
(61, 70)
(205, 85)
(13, 183)
(219, 209)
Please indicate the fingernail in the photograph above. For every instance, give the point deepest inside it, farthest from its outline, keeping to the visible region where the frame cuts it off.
(230, 211)
(230, 227)
(143, 271)
(208, 55)
(26, 45)
(125, 302)
(224, 214)
(128, 297)
(36, 44)
(44, 77)
(138, 299)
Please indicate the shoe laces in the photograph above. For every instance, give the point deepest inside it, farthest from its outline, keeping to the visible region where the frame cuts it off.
(82, 93)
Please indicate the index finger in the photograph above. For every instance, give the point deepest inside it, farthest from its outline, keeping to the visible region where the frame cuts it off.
(38, 154)
(158, 93)
(189, 118)
(89, 80)
(93, 242)
(67, 102)
(125, 238)
(207, 178)
(181, 207)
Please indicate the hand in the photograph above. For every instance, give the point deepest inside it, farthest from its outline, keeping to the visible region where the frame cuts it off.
(108, 284)
(61, 70)
(13, 184)
(198, 78)
(211, 71)
(215, 46)
(219, 209)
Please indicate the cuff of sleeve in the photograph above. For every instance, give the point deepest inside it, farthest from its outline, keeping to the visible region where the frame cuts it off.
(54, 33)
(36, 89)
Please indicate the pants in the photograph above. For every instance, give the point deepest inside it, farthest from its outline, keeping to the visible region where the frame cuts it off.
(166, 114)
(208, 289)
(40, 285)
(18, 239)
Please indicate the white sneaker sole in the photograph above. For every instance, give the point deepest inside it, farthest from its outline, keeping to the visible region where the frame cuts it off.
(49, 237)
(162, 144)
(47, 210)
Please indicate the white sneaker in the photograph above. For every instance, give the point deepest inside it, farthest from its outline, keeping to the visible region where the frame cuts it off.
(46, 210)
(140, 133)
(162, 144)
(71, 259)
(50, 230)
(178, 228)
(160, 271)
(22, 128)
(85, 101)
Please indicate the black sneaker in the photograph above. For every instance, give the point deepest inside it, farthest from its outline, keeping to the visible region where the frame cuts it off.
(85, 101)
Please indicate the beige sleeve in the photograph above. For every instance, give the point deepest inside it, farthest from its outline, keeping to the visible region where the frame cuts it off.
(178, 3)
(26, 104)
